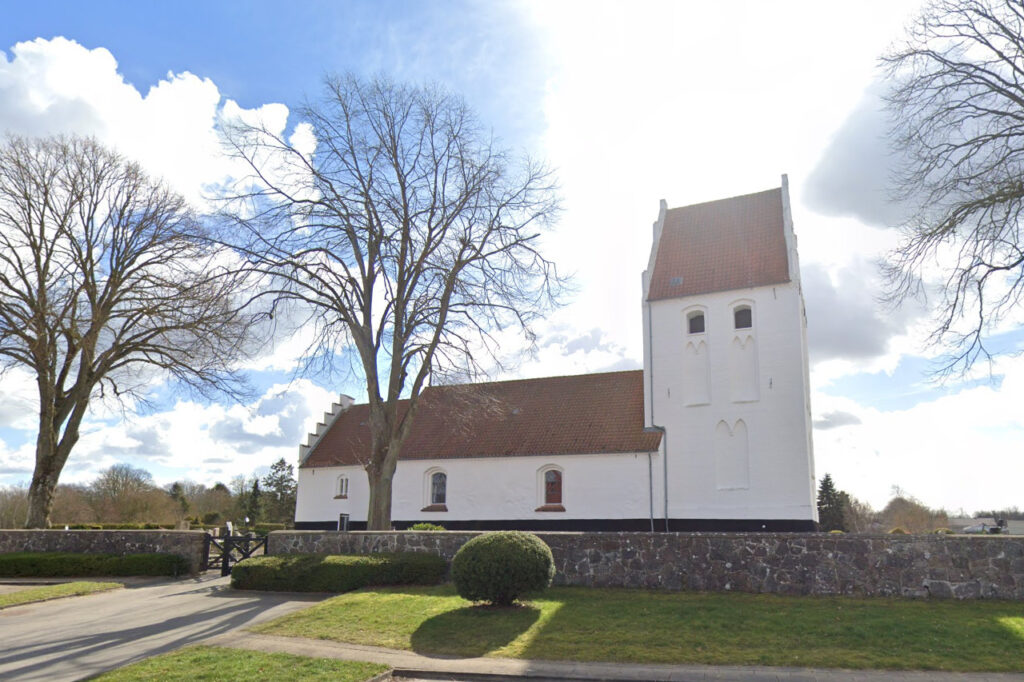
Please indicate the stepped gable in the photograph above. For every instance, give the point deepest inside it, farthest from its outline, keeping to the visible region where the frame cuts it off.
(583, 414)
(721, 245)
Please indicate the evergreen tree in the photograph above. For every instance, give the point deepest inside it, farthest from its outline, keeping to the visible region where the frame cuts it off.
(279, 488)
(830, 505)
(253, 502)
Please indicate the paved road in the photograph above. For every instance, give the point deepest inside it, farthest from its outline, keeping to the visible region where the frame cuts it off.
(69, 639)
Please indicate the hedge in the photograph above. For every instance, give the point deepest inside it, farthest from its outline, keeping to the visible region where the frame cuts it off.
(336, 572)
(114, 526)
(67, 564)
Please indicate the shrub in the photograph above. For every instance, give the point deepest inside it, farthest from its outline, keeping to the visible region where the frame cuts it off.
(67, 564)
(898, 531)
(500, 567)
(835, 532)
(425, 526)
(942, 531)
(264, 528)
(336, 572)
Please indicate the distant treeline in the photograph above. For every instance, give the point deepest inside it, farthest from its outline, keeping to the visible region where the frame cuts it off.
(1010, 513)
(124, 494)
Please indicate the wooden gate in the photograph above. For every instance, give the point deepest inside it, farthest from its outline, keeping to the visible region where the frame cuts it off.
(228, 550)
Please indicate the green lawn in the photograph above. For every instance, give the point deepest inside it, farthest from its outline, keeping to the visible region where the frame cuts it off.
(223, 664)
(660, 627)
(45, 592)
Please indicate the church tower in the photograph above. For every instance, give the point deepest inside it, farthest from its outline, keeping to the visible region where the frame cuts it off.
(725, 366)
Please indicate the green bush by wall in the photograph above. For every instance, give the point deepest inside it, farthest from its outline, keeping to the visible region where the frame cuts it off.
(336, 573)
(500, 567)
(62, 564)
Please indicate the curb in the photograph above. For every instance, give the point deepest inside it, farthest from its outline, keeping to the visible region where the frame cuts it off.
(400, 673)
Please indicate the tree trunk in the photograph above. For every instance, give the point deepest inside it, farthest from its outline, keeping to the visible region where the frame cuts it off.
(52, 450)
(40, 501)
(379, 512)
(44, 479)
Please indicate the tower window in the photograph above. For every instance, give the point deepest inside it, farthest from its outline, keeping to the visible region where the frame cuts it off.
(743, 317)
(695, 323)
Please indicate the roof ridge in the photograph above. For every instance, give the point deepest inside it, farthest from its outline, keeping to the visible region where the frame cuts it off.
(515, 381)
(557, 376)
(733, 198)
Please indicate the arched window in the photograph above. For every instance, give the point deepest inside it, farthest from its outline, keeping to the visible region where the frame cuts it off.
(552, 487)
(743, 317)
(549, 479)
(438, 487)
(435, 490)
(342, 490)
(695, 322)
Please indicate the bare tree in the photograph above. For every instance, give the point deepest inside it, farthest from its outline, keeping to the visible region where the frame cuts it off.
(105, 279)
(957, 105)
(403, 233)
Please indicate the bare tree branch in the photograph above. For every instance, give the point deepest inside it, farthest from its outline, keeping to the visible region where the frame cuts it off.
(957, 106)
(405, 235)
(106, 278)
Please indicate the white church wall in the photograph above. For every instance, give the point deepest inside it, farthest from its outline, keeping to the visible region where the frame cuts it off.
(757, 376)
(606, 486)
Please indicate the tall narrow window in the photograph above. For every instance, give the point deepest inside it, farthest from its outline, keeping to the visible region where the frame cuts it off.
(342, 492)
(435, 490)
(438, 488)
(743, 317)
(695, 323)
(549, 491)
(552, 487)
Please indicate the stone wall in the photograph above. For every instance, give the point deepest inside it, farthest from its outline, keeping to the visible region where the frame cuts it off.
(189, 544)
(964, 567)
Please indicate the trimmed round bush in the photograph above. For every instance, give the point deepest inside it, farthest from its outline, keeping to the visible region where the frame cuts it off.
(500, 567)
(942, 531)
(898, 531)
(424, 526)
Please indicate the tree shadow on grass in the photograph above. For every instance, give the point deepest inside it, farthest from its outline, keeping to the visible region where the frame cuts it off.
(472, 630)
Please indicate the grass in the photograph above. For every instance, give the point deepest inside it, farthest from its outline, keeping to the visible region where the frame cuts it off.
(635, 626)
(221, 664)
(47, 592)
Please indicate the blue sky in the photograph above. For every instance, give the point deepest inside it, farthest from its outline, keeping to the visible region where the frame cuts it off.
(258, 52)
(630, 103)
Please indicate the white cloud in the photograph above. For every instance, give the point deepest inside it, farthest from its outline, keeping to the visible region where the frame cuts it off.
(18, 400)
(203, 442)
(60, 87)
(959, 450)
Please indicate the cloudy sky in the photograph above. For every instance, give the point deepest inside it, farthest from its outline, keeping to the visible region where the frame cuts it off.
(631, 103)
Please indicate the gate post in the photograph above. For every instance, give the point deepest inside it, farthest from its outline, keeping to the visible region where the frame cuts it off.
(225, 565)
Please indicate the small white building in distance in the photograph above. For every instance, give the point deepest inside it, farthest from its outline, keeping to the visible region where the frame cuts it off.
(714, 434)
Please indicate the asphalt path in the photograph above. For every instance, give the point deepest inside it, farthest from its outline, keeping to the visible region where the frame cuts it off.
(71, 639)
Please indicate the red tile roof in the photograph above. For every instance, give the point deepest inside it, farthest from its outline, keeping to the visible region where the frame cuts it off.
(583, 414)
(721, 245)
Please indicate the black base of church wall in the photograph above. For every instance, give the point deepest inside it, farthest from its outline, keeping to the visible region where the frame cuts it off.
(600, 525)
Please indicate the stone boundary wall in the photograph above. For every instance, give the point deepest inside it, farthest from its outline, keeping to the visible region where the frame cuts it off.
(944, 566)
(188, 544)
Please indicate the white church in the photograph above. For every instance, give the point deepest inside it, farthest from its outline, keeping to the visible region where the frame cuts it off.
(714, 434)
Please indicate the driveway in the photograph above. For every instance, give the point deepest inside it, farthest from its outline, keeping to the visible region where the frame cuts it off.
(69, 639)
